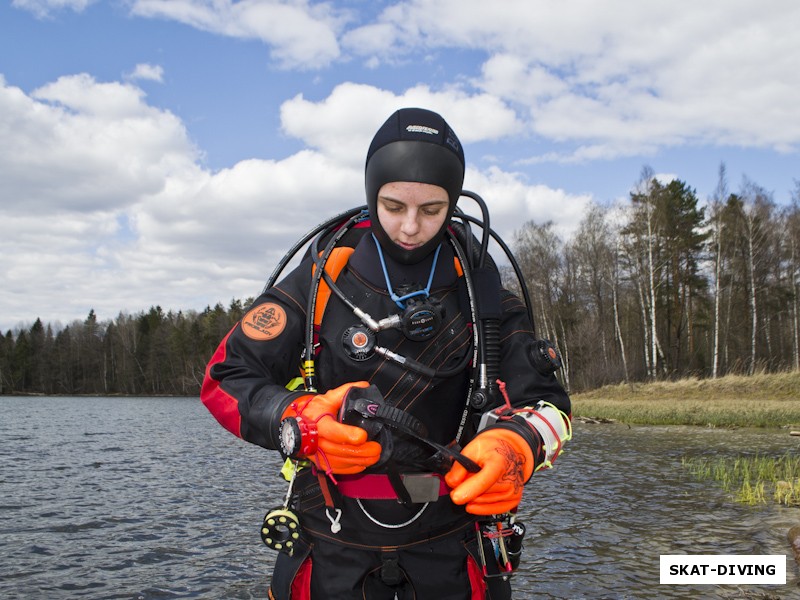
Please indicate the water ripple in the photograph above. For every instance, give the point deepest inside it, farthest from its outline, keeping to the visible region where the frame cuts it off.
(150, 499)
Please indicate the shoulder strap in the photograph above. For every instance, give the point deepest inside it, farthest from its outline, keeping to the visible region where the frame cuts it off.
(458, 267)
(334, 265)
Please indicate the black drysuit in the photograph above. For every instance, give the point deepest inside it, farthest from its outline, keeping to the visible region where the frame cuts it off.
(380, 542)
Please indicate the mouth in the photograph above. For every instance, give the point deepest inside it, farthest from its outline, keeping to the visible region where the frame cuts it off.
(407, 246)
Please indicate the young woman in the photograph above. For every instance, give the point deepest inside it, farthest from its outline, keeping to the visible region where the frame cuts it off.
(403, 450)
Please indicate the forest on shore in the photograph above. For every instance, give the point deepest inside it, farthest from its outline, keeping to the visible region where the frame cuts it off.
(660, 287)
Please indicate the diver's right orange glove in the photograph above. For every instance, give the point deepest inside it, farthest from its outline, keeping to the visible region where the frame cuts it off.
(506, 462)
(332, 446)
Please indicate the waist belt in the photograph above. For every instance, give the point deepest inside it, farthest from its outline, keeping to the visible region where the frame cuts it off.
(429, 486)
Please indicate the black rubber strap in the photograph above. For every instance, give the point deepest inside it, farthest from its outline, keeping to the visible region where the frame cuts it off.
(395, 417)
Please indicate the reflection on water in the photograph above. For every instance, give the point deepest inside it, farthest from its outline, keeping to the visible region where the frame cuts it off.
(150, 498)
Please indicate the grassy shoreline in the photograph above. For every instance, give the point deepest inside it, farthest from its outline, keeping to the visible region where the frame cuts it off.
(760, 400)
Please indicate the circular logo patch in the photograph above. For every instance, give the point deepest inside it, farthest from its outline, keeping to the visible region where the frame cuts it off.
(360, 339)
(264, 322)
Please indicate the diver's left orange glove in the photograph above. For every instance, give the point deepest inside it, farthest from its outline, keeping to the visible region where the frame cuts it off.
(310, 428)
(506, 462)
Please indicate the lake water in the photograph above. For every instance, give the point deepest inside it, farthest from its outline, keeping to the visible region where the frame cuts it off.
(148, 498)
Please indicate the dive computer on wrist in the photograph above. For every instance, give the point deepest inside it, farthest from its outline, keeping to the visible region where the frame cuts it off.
(299, 438)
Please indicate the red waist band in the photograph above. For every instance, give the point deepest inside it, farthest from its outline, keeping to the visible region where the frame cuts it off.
(377, 486)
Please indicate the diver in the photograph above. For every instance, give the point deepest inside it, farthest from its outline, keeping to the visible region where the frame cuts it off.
(403, 385)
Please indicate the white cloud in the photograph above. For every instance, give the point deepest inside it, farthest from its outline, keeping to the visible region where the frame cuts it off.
(512, 201)
(343, 124)
(240, 214)
(43, 8)
(301, 35)
(77, 145)
(618, 78)
(373, 36)
(511, 76)
(207, 237)
(77, 156)
(612, 79)
(111, 209)
(147, 72)
(107, 207)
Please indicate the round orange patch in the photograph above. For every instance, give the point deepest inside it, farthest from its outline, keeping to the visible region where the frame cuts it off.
(360, 339)
(264, 322)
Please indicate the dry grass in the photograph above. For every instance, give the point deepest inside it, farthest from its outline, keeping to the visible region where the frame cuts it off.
(760, 400)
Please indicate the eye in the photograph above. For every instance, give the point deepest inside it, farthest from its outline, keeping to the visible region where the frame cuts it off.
(434, 209)
(392, 208)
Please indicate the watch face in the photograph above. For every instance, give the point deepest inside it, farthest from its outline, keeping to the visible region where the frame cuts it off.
(290, 436)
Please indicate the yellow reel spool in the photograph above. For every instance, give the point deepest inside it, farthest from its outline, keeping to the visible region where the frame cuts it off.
(281, 529)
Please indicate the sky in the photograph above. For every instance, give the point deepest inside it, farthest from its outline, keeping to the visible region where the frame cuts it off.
(168, 152)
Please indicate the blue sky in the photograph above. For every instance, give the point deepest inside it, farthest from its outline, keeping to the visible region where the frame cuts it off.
(168, 151)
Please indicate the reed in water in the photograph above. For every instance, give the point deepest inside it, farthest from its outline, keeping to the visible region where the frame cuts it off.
(752, 479)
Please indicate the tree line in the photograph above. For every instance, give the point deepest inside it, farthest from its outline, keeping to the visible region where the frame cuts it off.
(149, 354)
(659, 287)
(665, 287)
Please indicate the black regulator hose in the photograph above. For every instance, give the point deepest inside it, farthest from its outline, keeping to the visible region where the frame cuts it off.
(290, 254)
(487, 286)
(308, 364)
(484, 252)
(523, 286)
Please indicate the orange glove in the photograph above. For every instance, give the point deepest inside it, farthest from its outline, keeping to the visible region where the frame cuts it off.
(506, 462)
(342, 449)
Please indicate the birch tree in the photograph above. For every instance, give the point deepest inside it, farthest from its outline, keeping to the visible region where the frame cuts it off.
(642, 249)
(593, 252)
(793, 234)
(755, 208)
(539, 251)
(540, 254)
(717, 205)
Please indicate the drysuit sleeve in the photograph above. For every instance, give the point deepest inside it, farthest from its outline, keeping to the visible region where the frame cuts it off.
(525, 383)
(245, 380)
(540, 405)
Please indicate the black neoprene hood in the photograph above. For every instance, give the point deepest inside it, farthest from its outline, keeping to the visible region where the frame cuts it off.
(415, 145)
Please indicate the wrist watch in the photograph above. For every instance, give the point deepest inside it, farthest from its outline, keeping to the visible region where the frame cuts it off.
(299, 438)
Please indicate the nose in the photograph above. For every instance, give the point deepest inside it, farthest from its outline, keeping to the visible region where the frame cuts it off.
(410, 225)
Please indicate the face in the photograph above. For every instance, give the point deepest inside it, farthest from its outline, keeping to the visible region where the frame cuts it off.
(412, 213)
